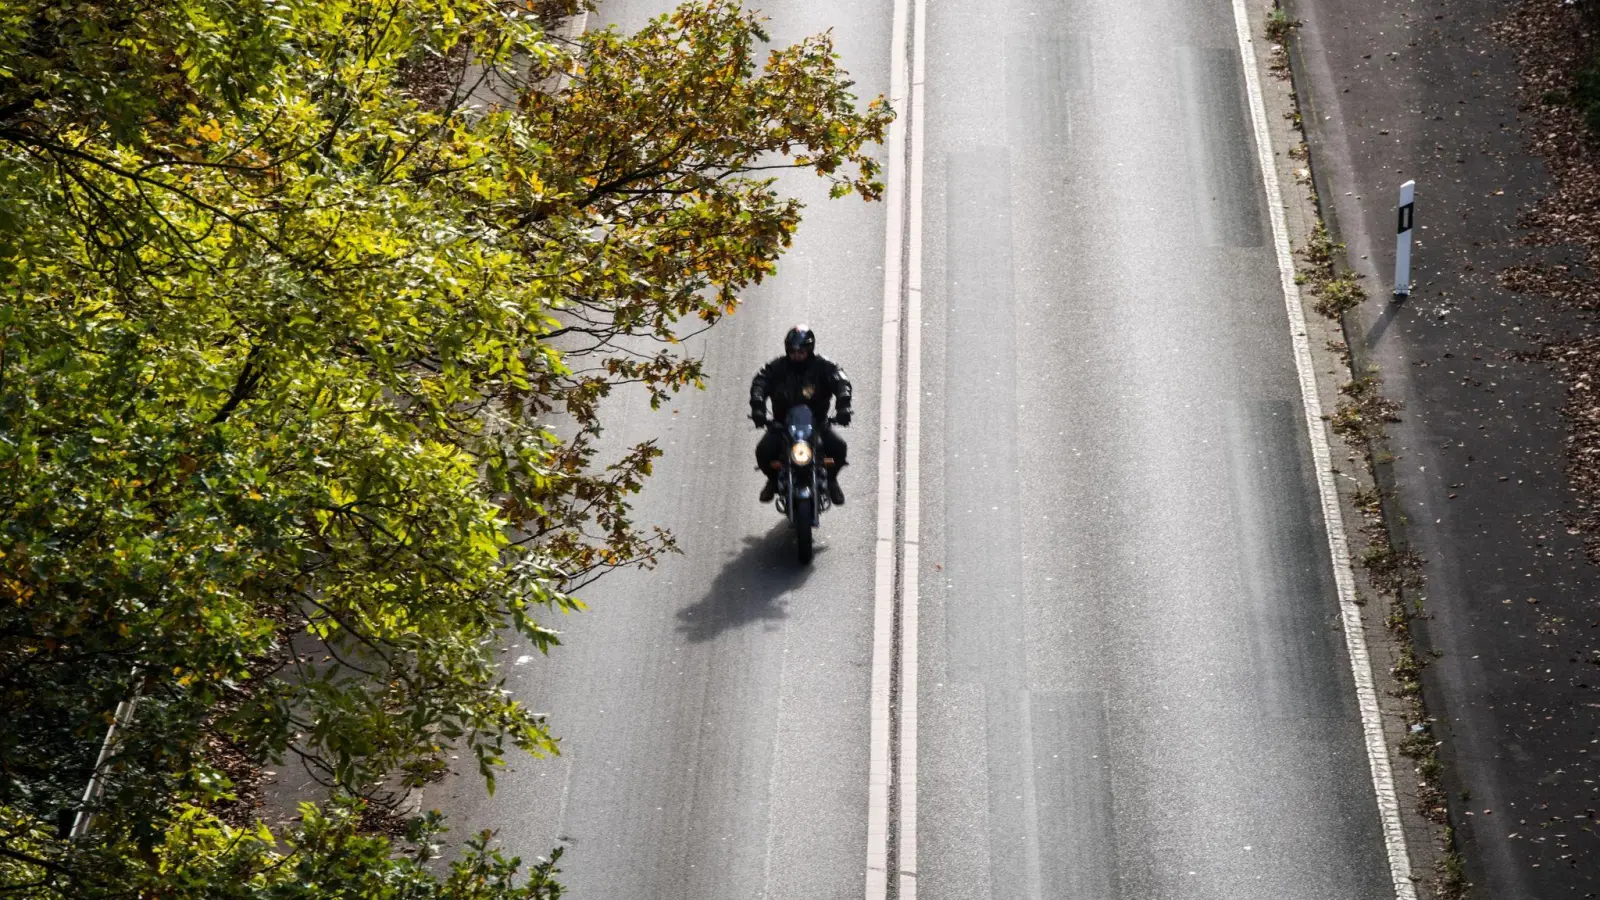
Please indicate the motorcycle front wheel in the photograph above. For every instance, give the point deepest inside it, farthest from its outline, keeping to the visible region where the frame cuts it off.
(802, 531)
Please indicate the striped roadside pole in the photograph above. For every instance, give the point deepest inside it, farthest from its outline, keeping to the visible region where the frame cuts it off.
(1402, 240)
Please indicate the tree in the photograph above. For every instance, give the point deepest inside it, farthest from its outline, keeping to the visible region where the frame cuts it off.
(297, 296)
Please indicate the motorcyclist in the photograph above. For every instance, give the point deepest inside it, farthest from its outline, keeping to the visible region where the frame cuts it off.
(800, 376)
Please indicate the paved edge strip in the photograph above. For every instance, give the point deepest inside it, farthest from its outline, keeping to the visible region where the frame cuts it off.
(880, 770)
(1394, 837)
(906, 861)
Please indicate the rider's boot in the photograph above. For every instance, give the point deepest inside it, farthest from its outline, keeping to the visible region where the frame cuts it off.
(835, 492)
(769, 490)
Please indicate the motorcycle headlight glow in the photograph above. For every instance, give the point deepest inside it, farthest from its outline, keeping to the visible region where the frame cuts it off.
(800, 453)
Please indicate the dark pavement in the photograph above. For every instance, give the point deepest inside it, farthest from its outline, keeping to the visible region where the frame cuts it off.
(1396, 90)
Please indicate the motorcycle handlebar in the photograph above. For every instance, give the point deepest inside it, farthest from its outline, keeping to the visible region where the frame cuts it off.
(774, 423)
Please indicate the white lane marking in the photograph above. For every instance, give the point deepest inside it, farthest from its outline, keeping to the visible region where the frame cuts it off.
(1394, 837)
(906, 862)
(879, 770)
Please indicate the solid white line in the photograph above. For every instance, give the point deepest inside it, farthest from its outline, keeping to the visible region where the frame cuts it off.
(879, 770)
(907, 759)
(1394, 836)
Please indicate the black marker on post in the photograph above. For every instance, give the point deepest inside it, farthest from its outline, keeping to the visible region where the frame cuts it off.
(1402, 241)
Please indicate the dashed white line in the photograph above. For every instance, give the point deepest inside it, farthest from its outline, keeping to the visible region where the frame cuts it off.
(772, 769)
(1394, 837)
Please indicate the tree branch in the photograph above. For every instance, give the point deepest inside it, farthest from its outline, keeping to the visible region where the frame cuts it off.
(243, 386)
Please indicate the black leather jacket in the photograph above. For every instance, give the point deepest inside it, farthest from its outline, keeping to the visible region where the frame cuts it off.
(815, 382)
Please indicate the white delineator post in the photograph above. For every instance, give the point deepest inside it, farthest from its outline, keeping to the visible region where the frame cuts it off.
(1402, 240)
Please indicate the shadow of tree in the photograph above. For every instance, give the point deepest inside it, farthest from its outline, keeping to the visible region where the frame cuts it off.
(750, 588)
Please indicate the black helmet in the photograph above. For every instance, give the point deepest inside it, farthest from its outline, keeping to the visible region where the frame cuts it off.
(800, 337)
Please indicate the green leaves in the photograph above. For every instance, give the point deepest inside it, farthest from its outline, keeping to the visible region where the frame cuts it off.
(328, 854)
(297, 297)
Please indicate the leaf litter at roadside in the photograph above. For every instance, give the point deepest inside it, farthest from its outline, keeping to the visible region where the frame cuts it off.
(1555, 43)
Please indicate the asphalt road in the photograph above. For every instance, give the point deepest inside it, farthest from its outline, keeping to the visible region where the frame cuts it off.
(1132, 682)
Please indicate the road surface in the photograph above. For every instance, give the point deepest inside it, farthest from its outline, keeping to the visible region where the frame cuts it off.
(1132, 682)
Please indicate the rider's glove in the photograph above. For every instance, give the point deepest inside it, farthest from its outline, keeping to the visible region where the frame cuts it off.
(758, 416)
(842, 417)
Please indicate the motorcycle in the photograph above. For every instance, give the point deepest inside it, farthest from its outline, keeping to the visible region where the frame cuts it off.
(803, 478)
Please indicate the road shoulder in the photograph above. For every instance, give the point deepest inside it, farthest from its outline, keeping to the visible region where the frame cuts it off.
(1426, 839)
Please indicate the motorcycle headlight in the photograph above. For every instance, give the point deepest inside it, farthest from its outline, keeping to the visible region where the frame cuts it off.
(800, 453)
